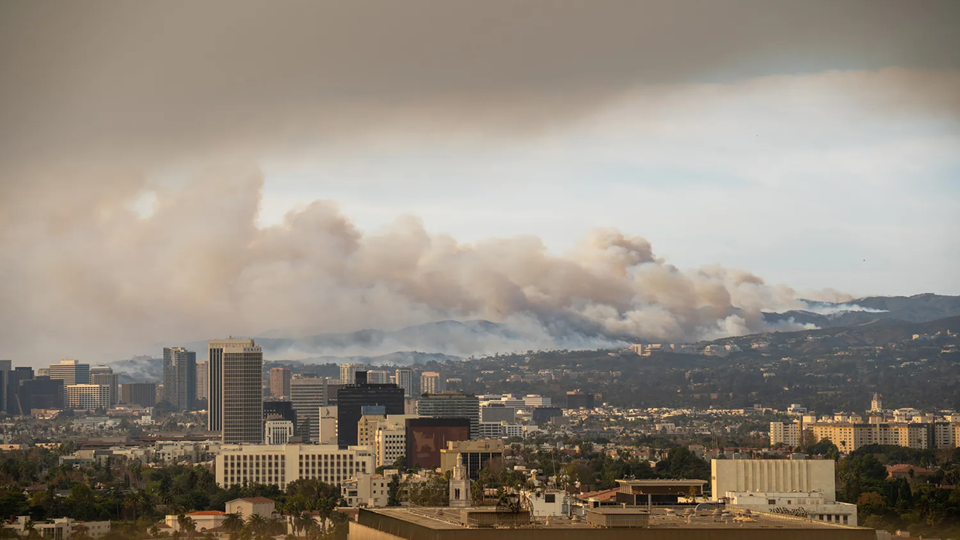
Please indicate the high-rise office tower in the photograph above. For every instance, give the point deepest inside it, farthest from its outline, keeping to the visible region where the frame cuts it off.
(280, 381)
(352, 398)
(451, 405)
(348, 373)
(404, 379)
(430, 382)
(307, 396)
(41, 393)
(108, 379)
(236, 390)
(6, 366)
(70, 372)
(95, 370)
(143, 394)
(279, 410)
(180, 378)
(12, 394)
(203, 380)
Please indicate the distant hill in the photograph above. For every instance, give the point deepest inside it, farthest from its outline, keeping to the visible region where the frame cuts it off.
(451, 338)
(875, 333)
(914, 309)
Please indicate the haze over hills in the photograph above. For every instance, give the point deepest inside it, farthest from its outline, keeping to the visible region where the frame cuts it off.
(862, 321)
(917, 308)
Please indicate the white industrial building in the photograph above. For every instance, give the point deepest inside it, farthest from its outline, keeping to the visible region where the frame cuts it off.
(801, 487)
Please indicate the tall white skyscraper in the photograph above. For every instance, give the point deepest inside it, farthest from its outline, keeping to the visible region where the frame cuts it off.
(236, 390)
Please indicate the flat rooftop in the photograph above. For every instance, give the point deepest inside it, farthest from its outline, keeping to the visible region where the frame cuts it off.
(449, 519)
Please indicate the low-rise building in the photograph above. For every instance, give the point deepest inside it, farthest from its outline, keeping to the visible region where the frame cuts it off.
(476, 454)
(203, 521)
(278, 431)
(249, 506)
(281, 464)
(810, 504)
(57, 529)
(367, 490)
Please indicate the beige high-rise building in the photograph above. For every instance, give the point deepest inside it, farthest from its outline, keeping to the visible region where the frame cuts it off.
(88, 396)
(280, 381)
(111, 380)
(203, 379)
(348, 373)
(430, 383)
(71, 372)
(404, 379)
(787, 433)
(236, 390)
(849, 436)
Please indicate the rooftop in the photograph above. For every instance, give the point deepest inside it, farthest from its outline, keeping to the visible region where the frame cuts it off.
(255, 500)
(439, 519)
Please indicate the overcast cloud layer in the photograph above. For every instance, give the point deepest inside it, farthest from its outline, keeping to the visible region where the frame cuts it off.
(150, 156)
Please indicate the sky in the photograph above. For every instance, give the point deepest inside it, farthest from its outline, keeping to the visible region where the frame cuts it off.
(188, 170)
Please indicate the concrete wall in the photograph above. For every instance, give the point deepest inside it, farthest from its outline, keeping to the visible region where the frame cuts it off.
(773, 475)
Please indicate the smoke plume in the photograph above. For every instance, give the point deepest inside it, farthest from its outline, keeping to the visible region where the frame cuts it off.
(95, 276)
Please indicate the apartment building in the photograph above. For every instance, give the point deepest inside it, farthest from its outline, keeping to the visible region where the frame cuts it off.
(850, 436)
(787, 433)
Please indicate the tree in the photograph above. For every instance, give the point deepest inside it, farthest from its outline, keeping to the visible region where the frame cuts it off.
(186, 525)
(233, 523)
(393, 491)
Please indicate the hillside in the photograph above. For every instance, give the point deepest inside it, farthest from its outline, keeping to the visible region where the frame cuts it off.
(915, 309)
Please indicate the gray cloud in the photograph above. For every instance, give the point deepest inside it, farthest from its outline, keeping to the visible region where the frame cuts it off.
(96, 97)
(163, 79)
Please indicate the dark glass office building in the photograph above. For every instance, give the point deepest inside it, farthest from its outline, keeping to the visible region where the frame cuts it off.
(279, 410)
(352, 398)
(41, 393)
(427, 436)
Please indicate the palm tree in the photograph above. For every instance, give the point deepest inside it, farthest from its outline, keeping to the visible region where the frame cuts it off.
(233, 523)
(187, 526)
(301, 521)
(257, 524)
(277, 525)
(135, 501)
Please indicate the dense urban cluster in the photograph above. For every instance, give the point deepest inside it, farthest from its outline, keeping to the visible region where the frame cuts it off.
(231, 445)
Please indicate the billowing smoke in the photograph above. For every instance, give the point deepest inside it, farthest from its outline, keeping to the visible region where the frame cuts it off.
(93, 276)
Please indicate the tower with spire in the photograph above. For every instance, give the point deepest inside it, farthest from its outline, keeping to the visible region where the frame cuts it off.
(460, 485)
(876, 405)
